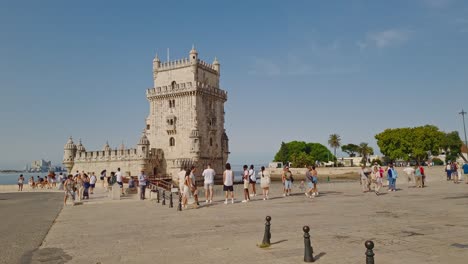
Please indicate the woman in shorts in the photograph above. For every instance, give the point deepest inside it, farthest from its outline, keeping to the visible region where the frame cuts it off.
(245, 177)
(228, 183)
(20, 183)
(265, 182)
(185, 192)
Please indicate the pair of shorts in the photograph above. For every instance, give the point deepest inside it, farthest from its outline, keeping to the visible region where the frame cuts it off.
(208, 185)
(92, 185)
(228, 188)
(120, 184)
(287, 184)
(251, 181)
(246, 184)
(102, 178)
(310, 185)
(186, 191)
(314, 179)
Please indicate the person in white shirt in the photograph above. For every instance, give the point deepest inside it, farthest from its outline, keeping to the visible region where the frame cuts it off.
(265, 182)
(228, 183)
(208, 174)
(252, 180)
(92, 183)
(142, 183)
(181, 176)
(118, 175)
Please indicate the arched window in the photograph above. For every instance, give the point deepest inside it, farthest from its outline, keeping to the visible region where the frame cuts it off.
(171, 142)
(170, 103)
(173, 103)
(211, 141)
(173, 85)
(171, 122)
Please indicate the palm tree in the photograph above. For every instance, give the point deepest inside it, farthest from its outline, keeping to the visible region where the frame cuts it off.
(365, 151)
(335, 142)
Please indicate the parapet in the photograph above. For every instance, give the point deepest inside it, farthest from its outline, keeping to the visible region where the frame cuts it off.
(186, 87)
(185, 62)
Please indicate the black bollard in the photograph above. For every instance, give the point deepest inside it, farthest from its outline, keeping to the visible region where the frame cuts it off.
(267, 234)
(171, 204)
(157, 195)
(164, 197)
(308, 251)
(369, 252)
(179, 207)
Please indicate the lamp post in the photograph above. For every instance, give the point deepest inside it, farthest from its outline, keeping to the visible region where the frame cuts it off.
(463, 113)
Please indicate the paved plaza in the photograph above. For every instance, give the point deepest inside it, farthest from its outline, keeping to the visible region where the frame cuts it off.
(411, 225)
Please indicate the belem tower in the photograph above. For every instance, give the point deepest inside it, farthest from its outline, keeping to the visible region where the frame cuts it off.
(185, 125)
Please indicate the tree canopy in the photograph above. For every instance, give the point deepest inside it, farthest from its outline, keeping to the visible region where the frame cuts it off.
(417, 143)
(301, 153)
(351, 149)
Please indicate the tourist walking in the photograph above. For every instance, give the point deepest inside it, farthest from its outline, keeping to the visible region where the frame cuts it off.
(142, 183)
(245, 178)
(193, 185)
(448, 170)
(265, 182)
(208, 175)
(185, 190)
(308, 181)
(378, 180)
(103, 177)
(252, 180)
(454, 170)
(465, 171)
(20, 183)
(314, 181)
(119, 177)
(181, 176)
(364, 179)
(86, 185)
(392, 176)
(79, 187)
(287, 179)
(32, 184)
(69, 187)
(418, 177)
(228, 183)
(92, 183)
(423, 175)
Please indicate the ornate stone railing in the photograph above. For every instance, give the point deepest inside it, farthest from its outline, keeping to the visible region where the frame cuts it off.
(186, 87)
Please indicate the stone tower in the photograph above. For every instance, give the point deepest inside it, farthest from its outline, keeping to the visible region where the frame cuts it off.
(186, 117)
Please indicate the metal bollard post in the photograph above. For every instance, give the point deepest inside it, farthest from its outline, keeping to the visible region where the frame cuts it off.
(179, 207)
(171, 204)
(164, 197)
(369, 252)
(267, 234)
(308, 251)
(157, 195)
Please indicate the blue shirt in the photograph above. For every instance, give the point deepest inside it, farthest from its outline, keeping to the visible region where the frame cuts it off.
(465, 168)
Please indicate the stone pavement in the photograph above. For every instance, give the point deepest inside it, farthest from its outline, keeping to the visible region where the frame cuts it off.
(411, 225)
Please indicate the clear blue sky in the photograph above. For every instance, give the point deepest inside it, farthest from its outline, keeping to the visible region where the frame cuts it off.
(294, 70)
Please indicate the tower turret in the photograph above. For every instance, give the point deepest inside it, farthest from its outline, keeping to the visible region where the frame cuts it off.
(69, 155)
(216, 65)
(143, 145)
(106, 147)
(193, 54)
(156, 65)
(80, 148)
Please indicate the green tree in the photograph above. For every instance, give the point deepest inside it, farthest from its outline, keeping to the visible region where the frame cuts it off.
(365, 150)
(300, 160)
(410, 143)
(451, 144)
(351, 149)
(283, 154)
(320, 152)
(335, 142)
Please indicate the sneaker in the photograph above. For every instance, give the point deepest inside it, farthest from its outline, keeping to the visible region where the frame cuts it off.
(232, 201)
(206, 201)
(284, 194)
(307, 195)
(244, 201)
(225, 202)
(264, 199)
(211, 201)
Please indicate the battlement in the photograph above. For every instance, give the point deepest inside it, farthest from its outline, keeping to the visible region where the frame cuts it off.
(122, 154)
(185, 87)
(185, 62)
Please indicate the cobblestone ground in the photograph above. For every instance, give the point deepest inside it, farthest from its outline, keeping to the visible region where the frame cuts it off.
(411, 225)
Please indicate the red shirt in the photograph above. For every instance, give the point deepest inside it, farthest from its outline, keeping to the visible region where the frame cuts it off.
(421, 168)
